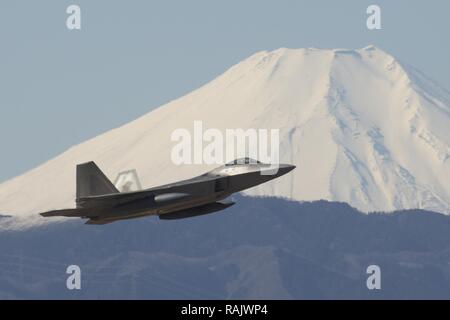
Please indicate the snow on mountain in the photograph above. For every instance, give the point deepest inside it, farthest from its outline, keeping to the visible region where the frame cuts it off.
(360, 126)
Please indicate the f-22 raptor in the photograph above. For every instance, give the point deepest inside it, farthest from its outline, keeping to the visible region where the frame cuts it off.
(99, 201)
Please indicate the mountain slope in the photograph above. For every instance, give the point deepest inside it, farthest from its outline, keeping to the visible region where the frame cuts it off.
(361, 128)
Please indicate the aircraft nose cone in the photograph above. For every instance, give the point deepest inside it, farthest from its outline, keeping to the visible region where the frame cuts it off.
(285, 168)
(279, 170)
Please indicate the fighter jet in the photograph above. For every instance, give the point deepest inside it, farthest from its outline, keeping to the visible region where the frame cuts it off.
(99, 201)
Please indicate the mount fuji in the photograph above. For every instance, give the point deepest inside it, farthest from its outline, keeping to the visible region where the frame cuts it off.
(361, 127)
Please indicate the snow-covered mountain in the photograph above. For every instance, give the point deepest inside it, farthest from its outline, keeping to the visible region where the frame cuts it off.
(360, 126)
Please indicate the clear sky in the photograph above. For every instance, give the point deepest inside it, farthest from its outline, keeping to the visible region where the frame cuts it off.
(60, 87)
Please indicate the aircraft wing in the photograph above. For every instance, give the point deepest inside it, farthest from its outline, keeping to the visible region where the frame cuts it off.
(113, 199)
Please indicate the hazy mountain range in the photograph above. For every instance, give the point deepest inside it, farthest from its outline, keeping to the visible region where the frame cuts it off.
(260, 248)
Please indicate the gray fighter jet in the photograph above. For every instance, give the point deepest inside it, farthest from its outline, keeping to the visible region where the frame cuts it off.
(98, 200)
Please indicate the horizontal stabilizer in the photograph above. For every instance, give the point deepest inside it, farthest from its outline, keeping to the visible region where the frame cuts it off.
(67, 213)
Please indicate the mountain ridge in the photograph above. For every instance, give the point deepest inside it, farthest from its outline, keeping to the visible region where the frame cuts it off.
(278, 249)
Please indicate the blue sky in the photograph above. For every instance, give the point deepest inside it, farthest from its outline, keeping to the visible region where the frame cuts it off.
(61, 87)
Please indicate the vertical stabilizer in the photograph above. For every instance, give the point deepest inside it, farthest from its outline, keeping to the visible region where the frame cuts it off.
(91, 181)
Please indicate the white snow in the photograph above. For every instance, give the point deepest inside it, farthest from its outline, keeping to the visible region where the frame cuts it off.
(360, 126)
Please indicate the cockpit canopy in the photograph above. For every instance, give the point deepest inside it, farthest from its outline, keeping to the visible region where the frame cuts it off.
(243, 161)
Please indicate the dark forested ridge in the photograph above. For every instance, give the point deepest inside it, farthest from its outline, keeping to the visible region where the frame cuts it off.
(259, 248)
